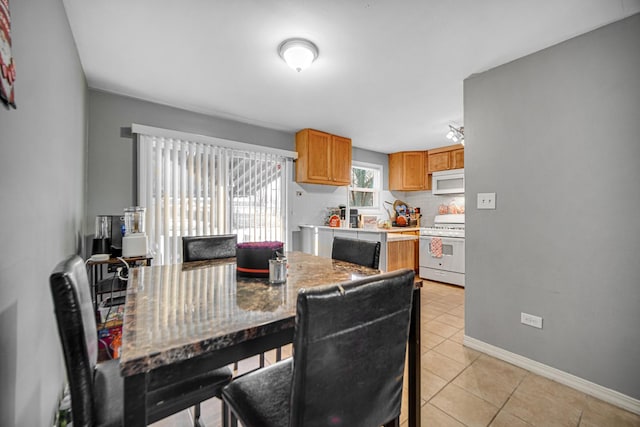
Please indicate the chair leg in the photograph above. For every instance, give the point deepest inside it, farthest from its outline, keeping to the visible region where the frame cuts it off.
(262, 360)
(234, 420)
(278, 354)
(196, 416)
(225, 414)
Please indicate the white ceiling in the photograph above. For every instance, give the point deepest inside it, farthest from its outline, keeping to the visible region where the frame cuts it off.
(389, 74)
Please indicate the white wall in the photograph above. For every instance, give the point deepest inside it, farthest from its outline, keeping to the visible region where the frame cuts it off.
(42, 193)
(555, 135)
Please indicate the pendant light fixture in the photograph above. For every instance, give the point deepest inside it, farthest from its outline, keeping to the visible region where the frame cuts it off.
(298, 53)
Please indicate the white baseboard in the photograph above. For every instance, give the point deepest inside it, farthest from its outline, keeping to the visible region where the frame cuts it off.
(611, 396)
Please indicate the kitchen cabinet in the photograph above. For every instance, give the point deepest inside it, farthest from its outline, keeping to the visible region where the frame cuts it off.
(398, 248)
(407, 171)
(326, 235)
(457, 158)
(323, 158)
(445, 158)
(401, 253)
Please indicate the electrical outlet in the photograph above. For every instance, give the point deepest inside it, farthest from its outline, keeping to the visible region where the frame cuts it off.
(486, 200)
(531, 320)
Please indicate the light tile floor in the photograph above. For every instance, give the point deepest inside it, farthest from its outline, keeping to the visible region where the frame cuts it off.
(462, 387)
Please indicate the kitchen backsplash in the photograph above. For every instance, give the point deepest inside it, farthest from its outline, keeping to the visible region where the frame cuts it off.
(430, 204)
(309, 203)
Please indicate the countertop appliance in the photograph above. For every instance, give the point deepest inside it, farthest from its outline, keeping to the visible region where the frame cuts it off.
(108, 235)
(134, 242)
(448, 182)
(353, 218)
(442, 250)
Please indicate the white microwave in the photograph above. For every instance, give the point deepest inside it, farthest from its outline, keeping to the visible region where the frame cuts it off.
(448, 182)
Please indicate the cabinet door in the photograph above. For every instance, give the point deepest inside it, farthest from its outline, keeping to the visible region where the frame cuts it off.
(413, 171)
(341, 160)
(457, 159)
(407, 171)
(395, 171)
(318, 152)
(416, 249)
(439, 161)
(400, 254)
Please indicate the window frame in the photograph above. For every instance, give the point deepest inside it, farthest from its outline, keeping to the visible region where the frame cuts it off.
(376, 190)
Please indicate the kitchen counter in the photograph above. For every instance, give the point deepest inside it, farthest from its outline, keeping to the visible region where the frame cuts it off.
(395, 237)
(318, 240)
(367, 230)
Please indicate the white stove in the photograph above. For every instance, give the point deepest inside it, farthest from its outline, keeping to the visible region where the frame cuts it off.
(450, 225)
(442, 250)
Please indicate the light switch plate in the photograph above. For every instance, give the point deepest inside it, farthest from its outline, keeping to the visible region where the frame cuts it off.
(486, 200)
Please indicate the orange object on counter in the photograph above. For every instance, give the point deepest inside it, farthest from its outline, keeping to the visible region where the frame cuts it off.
(334, 221)
(116, 343)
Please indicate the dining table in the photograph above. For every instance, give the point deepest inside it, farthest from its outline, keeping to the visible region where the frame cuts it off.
(204, 311)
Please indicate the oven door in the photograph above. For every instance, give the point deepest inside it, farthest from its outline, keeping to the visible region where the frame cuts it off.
(452, 258)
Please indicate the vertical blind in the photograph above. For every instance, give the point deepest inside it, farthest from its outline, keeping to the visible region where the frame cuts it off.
(194, 188)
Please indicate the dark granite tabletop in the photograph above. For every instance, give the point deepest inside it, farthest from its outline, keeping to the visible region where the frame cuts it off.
(175, 312)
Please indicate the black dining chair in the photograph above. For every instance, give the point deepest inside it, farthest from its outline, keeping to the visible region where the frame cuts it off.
(97, 389)
(200, 248)
(348, 360)
(361, 252)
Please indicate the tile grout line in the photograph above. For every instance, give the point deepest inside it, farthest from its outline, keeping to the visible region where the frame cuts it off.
(469, 391)
(507, 400)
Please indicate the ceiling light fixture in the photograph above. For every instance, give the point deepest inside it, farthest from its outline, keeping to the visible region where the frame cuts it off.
(298, 53)
(456, 134)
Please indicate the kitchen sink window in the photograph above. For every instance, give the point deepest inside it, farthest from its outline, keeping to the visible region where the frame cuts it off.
(193, 185)
(366, 184)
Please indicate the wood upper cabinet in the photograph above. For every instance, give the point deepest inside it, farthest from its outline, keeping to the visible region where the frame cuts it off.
(457, 158)
(341, 159)
(445, 158)
(323, 158)
(407, 171)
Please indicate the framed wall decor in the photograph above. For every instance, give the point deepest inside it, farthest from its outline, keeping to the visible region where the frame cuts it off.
(7, 64)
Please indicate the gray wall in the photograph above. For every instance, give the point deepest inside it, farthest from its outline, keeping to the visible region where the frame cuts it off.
(42, 193)
(111, 158)
(555, 134)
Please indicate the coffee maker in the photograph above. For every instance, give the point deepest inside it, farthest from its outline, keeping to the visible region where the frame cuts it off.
(102, 236)
(353, 218)
(108, 235)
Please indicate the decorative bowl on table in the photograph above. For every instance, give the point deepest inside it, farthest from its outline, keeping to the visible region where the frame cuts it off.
(252, 258)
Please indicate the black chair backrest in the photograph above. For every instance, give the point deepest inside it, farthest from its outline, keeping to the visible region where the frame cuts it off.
(349, 351)
(360, 252)
(77, 328)
(199, 248)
